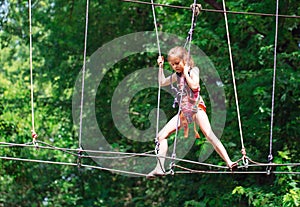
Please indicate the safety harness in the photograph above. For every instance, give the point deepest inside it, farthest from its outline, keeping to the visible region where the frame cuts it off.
(190, 103)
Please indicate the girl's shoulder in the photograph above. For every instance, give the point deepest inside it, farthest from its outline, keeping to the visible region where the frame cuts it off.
(195, 69)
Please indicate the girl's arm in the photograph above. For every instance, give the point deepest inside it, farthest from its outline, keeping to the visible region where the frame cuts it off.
(192, 77)
(163, 81)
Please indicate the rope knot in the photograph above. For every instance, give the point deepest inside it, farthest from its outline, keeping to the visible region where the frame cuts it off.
(270, 158)
(79, 158)
(33, 134)
(243, 151)
(196, 8)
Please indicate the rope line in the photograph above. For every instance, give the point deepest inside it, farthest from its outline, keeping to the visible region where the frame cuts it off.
(270, 156)
(159, 89)
(188, 43)
(190, 171)
(83, 73)
(73, 164)
(187, 170)
(4, 144)
(256, 164)
(33, 133)
(213, 10)
(159, 86)
(233, 79)
(48, 146)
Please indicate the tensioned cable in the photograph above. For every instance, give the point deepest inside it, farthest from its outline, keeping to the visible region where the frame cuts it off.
(49, 147)
(233, 78)
(191, 171)
(106, 152)
(213, 10)
(31, 72)
(83, 72)
(73, 164)
(189, 40)
(159, 86)
(187, 170)
(270, 156)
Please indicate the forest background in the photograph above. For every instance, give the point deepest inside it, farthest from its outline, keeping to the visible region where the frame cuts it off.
(58, 43)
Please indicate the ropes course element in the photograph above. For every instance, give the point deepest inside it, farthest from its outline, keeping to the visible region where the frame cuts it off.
(128, 155)
(270, 156)
(159, 89)
(73, 164)
(82, 85)
(83, 72)
(159, 86)
(234, 84)
(33, 133)
(212, 10)
(195, 13)
(78, 153)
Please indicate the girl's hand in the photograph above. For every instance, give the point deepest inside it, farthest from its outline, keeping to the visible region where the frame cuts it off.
(186, 70)
(160, 61)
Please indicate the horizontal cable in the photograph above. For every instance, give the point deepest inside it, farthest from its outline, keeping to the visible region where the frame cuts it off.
(191, 171)
(107, 152)
(187, 170)
(233, 172)
(71, 164)
(130, 155)
(212, 10)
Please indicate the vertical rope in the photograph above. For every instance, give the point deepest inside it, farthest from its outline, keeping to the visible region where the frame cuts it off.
(233, 79)
(270, 157)
(156, 30)
(159, 86)
(189, 40)
(83, 72)
(193, 24)
(33, 133)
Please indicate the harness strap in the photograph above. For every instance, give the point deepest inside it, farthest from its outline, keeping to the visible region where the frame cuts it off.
(184, 122)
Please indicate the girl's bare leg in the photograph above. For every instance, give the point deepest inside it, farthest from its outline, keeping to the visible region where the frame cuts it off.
(163, 146)
(203, 121)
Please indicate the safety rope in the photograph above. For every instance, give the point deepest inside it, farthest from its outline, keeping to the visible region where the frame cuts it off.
(213, 10)
(73, 164)
(159, 89)
(186, 170)
(243, 150)
(147, 154)
(82, 85)
(159, 86)
(188, 43)
(33, 133)
(270, 156)
(83, 74)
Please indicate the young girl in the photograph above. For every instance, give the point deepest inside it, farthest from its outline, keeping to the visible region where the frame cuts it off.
(192, 107)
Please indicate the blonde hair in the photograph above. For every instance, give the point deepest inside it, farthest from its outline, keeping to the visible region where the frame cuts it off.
(180, 52)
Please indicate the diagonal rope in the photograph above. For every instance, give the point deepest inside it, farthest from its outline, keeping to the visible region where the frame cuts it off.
(233, 79)
(270, 156)
(83, 73)
(33, 133)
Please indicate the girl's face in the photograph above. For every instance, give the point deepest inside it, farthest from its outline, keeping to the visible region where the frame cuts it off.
(176, 63)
